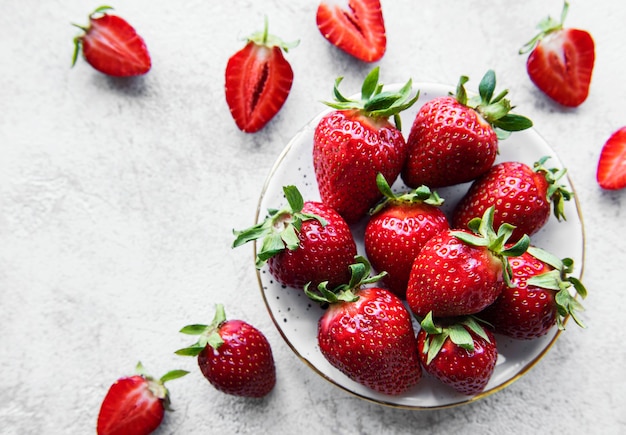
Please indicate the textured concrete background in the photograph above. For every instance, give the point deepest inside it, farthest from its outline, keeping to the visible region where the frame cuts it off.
(118, 197)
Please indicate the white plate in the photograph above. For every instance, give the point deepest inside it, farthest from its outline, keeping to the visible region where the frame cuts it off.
(296, 316)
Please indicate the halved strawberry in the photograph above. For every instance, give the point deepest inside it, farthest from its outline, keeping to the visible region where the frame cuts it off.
(135, 404)
(358, 29)
(112, 46)
(611, 174)
(561, 61)
(258, 80)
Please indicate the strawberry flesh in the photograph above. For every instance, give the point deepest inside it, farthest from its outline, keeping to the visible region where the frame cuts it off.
(611, 172)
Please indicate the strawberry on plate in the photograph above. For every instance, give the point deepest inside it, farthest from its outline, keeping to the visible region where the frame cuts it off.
(367, 333)
(611, 173)
(135, 404)
(112, 46)
(357, 28)
(258, 80)
(400, 225)
(459, 352)
(522, 196)
(461, 272)
(454, 139)
(355, 142)
(303, 242)
(540, 298)
(234, 356)
(561, 61)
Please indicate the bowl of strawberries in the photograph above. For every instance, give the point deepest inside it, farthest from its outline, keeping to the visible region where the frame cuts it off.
(420, 268)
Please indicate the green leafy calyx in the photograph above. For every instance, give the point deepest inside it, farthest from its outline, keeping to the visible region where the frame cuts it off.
(208, 335)
(375, 102)
(459, 332)
(279, 230)
(360, 275)
(557, 194)
(422, 194)
(268, 40)
(546, 26)
(495, 110)
(483, 234)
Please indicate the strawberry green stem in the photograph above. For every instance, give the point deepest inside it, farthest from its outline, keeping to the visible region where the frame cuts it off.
(208, 335)
(546, 26)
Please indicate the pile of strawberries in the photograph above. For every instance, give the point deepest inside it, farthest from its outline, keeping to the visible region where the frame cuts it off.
(467, 277)
(464, 277)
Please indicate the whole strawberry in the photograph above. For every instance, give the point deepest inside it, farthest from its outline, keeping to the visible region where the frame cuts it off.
(400, 225)
(461, 354)
(454, 139)
(540, 299)
(135, 404)
(303, 242)
(367, 333)
(258, 80)
(462, 272)
(357, 27)
(112, 46)
(355, 142)
(233, 356)
(522, 196)
(561, 61)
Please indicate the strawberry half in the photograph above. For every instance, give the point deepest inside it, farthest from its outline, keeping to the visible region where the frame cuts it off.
(461, 353)
(112, 46)
(135, 404)
(303, 242)
(367, 333)
(540, 298)
(355, 142)
(611, 173)
(358, 29)
(234, 356)
(561, 61)
(258, 80)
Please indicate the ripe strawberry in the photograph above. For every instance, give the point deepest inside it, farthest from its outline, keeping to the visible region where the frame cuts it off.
(355, 142)
(112, 46)
(461, 354)
(258, 80)
(461, 272)
(399, 227)
(455, 139)
(359, 29)
(522, 196)
(234, 356)
(540, 299)
(561, 61)
(135, 404)
(611, 172)
(303, 242)
(367, 333)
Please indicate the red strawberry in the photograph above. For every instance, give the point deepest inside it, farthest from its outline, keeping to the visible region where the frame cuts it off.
(359, 29)
(233, 356)
(522, 196)
(399, 227)
(455, 139)
(303, 242)
(461, 272)
(135, 404)
(461, 354)
(561, 61)
(258, 81)
(611, 172)
(367, 333)
(112, 46)
(355, 142)
(540, 299)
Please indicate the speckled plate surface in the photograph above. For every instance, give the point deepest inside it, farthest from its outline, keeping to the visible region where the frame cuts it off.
(296, 316)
